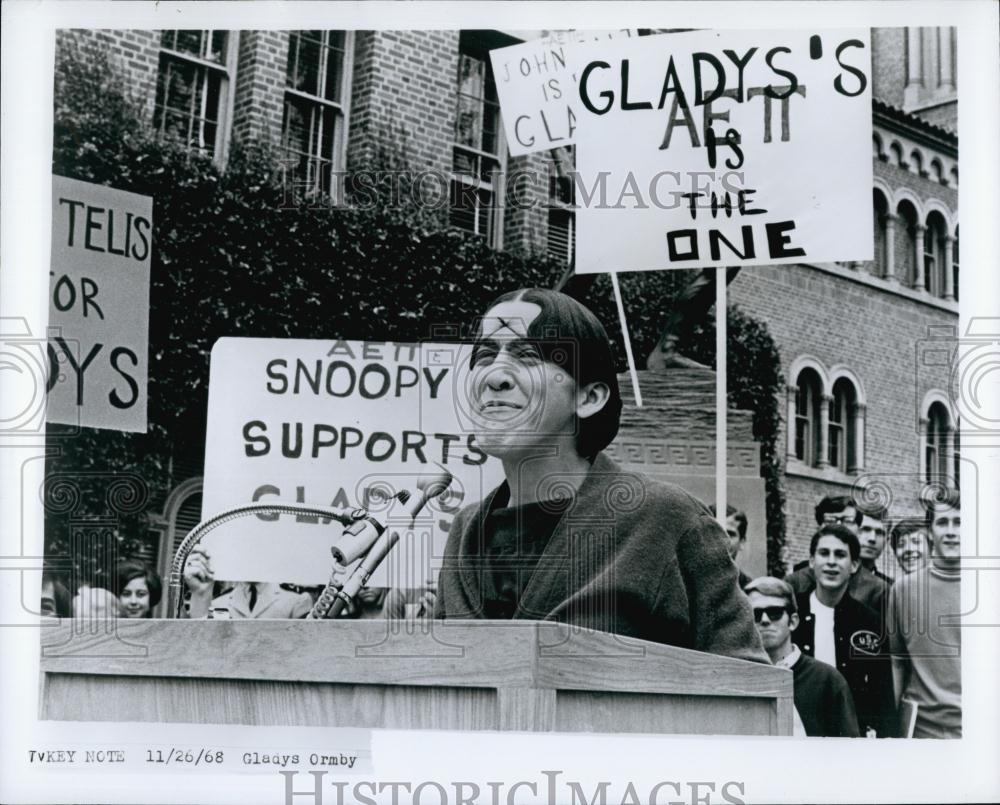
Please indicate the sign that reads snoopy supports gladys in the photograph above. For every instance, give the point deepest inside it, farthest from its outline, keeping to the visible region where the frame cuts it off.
(335, 423)
(719, 148)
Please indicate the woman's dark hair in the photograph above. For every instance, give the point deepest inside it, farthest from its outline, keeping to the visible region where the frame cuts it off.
(130, 569)
(570, 336)
(62, 601)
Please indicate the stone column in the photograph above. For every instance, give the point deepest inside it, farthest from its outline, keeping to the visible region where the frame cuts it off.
(914, 78)
(949, 273)
(945, 73)
(823, 460)
(918, 257)
(890, 247)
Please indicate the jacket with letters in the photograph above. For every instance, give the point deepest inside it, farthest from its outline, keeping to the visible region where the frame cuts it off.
(862, 659)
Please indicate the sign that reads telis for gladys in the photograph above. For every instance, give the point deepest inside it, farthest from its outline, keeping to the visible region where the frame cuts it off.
(334, 423)
(102, 242)
(715, 148)
(537, 90)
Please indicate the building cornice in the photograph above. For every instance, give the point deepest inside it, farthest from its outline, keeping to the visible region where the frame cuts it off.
(920, 131)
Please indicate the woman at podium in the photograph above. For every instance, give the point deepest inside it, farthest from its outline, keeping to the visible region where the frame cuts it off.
(570, 536)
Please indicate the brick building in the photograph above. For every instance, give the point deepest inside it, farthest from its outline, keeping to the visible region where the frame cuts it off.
(860, 400)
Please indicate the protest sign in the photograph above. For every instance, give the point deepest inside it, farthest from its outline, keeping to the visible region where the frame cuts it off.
(537, 90)
(99, 306)
(719, 148)
(334, 423)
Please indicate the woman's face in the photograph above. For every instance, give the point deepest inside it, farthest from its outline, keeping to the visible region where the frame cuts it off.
(135, 599)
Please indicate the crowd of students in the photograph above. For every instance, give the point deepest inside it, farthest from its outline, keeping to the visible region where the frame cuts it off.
(871, 655)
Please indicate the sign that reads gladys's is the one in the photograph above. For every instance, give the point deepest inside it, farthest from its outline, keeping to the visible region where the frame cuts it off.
(334, 423)
(715, 148)
(537, 90)
(102, 242)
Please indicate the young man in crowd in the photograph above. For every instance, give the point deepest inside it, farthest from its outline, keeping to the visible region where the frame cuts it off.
(868, 585)
(823, 700)
(842, 632)
(911, 544)
(570, 536)
(736, 533)
(925, 632)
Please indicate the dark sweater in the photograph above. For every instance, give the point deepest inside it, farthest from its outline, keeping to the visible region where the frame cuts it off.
(823, 699)
(630, 555)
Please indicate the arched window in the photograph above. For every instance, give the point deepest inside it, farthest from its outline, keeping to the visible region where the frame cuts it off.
(936, 457)
(807, 401)
(841, 427)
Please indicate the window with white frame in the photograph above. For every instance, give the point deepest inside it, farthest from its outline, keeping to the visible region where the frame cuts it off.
(561, 239)
(807, 398)
(478, 150)
(191, 89)
(312, 126)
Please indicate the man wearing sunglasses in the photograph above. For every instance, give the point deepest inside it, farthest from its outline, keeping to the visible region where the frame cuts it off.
(570, 536)
(822, 698)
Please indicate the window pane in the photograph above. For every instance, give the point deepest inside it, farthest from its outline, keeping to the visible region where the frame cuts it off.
(188, 42)
(468, 123)
(560, 245)
(464, 163)
(801, 438)
(471, 76)
(307, 70)
(463, 207)
(334, 66)
(217, 47)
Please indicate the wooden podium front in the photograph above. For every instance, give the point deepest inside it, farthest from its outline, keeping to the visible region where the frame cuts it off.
(458, 675)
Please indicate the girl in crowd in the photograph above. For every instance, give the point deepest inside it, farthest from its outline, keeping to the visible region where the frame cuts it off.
(138, 589)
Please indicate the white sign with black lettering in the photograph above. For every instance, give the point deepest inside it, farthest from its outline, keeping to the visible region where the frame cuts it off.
(537, 90)
(334, 423)
(719, 148)
(102, 242)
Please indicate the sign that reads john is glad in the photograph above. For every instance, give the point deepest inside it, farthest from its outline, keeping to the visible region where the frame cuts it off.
(537, 89)
(102, 242)
(715, 148)
(335, 423)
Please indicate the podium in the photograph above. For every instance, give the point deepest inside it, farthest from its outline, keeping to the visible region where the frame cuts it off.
(456, 675)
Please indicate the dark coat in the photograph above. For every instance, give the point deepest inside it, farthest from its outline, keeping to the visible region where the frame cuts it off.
(862, 659)
(823, 699)
(630, 555)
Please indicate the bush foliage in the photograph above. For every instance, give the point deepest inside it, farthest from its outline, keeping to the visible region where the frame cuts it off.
(234, 256)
